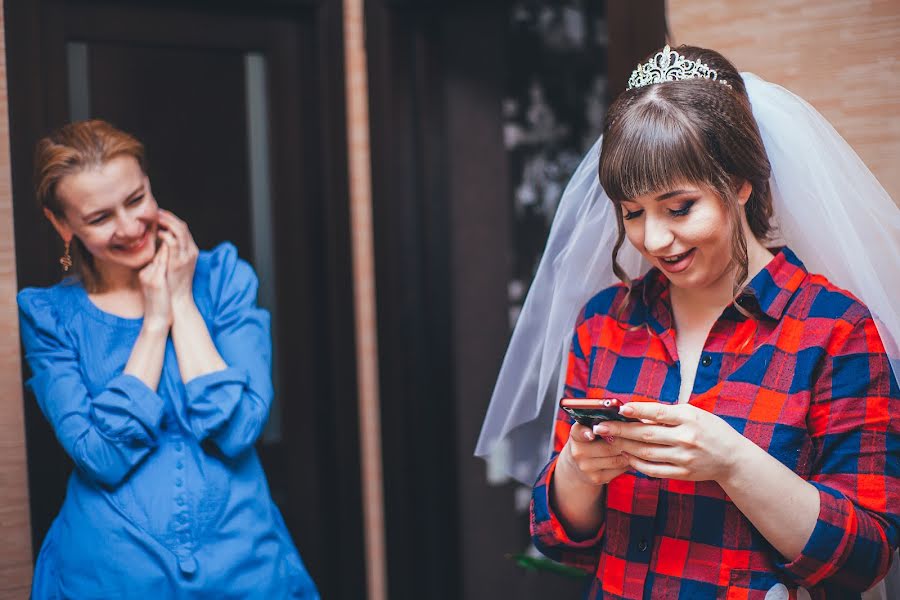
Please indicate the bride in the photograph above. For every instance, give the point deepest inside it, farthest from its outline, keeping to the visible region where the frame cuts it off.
(765, 460)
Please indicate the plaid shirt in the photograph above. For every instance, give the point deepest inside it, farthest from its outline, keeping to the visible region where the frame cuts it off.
(813, 387)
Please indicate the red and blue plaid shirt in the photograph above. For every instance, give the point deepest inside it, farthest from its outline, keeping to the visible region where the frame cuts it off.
(807, 379)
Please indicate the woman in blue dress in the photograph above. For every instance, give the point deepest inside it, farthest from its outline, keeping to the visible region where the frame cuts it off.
(152, 363)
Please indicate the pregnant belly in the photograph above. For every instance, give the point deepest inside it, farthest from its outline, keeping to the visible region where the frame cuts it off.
(177, 495)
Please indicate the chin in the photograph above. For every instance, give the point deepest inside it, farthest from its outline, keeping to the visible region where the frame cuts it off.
(143, 263)
(688, 281)
(136, 262)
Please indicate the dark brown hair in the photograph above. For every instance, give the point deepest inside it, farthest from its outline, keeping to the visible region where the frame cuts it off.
(699, 131)
(72, 149)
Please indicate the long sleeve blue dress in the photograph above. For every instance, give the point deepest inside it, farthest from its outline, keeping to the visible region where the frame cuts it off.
(168, 498)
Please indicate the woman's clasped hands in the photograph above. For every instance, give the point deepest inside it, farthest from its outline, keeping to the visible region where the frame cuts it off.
(167, 281)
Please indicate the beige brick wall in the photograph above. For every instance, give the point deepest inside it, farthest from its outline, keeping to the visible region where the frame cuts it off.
(15, 534)
(840, 55)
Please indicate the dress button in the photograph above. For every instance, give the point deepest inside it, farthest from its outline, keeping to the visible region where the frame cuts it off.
(188, 565)
(707, 360)
(642, 545)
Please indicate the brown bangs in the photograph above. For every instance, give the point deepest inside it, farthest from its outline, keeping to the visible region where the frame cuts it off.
(650, 148)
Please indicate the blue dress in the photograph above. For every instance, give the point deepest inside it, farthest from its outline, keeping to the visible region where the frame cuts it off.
(168, 498)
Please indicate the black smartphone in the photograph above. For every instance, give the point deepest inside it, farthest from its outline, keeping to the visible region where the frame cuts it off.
(590, 411)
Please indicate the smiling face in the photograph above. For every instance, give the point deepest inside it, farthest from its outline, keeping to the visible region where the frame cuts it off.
(686, 232)
(112, 211)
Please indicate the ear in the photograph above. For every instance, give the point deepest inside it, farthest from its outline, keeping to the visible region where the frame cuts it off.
(59, 224)
(744, 192)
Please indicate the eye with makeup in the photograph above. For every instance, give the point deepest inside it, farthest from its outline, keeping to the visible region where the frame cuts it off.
(683, 210)
(630, 214)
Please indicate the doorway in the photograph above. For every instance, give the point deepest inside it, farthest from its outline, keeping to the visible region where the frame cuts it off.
(240, 106)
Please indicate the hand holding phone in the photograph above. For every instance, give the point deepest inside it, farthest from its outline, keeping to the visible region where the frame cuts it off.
(590, 411)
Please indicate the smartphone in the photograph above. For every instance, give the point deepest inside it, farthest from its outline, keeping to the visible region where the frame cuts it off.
(590, 411)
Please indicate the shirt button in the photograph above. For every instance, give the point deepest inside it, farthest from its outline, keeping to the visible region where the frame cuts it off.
(179, 482)
(188, 565)
(179, 501)
(642, 545)
(707, 360)
(178, 446)
(179, 464)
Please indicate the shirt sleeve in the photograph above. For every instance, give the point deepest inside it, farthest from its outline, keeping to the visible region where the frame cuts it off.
(231, 406)
(547, 531)
(107, 434)
(856, 436)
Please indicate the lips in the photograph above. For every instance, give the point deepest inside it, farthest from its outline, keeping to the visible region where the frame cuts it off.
(677, 262)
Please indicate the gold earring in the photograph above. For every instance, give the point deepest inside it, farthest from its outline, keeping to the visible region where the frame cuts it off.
(66, 259)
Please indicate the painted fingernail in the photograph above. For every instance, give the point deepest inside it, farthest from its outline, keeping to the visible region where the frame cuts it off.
(601, 429)
(625, 410)
(589, 436)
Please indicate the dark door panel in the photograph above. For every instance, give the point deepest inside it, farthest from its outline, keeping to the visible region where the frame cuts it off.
(240, 106)
(155, 93)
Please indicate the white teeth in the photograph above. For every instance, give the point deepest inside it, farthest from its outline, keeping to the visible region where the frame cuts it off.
(134, 244)
(675, 259)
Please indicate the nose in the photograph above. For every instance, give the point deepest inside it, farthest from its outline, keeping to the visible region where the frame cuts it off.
(129, 228)
(657, 235)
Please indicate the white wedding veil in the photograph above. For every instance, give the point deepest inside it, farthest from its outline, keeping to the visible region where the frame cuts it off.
(828, 208)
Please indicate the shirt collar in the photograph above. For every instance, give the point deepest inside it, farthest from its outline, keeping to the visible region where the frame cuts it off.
(770, 290)
(775, 285)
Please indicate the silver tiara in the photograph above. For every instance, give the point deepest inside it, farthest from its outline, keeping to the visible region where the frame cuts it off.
(668, 65)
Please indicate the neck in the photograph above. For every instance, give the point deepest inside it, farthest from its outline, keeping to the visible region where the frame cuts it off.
(706, 302)
(113, 278)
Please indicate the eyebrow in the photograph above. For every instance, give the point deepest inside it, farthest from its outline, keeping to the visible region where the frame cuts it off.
(674, 193)
(97, 213)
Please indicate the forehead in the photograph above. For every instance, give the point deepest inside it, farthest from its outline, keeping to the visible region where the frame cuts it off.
(101, 186)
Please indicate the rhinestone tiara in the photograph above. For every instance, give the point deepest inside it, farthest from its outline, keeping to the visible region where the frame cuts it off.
(668, 65)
